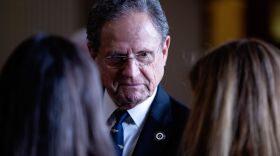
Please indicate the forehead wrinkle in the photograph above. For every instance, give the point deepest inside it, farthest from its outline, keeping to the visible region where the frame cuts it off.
(136, 37)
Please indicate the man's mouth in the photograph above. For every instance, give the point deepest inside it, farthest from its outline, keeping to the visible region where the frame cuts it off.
(130, 84)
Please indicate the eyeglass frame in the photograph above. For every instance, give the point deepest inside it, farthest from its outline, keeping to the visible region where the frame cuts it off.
(124, 57)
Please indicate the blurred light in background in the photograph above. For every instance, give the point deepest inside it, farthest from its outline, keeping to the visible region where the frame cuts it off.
(226, 20)
(275, 21)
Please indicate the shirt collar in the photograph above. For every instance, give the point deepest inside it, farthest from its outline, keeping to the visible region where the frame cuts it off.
(108, 105)
(137, 113)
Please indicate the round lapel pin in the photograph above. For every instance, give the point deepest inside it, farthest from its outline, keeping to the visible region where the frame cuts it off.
(160, 136)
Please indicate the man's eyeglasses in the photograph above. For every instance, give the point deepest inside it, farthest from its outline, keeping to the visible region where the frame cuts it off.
(142, 58)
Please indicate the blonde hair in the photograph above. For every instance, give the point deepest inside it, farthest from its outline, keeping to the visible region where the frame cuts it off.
(235, 101)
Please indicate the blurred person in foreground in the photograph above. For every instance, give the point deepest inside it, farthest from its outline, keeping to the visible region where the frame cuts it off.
(129, 40)
(236, 101)
(50, 101)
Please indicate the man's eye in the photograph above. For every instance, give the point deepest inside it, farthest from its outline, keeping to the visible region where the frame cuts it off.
(116, 57)
(144, 54)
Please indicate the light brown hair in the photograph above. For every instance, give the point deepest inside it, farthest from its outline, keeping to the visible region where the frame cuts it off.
(236, 98)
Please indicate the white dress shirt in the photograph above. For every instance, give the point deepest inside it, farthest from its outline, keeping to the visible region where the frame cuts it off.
(133, 125)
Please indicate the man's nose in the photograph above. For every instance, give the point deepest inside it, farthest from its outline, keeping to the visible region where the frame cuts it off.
(131, 68)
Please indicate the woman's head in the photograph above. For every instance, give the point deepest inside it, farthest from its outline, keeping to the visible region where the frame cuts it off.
(50, 97)
(236, 100)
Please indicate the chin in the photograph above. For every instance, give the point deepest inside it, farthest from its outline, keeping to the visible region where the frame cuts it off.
(128, 97)
(126, 106)
(130, 101)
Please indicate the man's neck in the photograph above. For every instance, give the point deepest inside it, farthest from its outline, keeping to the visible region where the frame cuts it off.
(109, 106)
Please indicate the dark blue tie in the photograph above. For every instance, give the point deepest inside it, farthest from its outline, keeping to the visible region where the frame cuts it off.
(117, 131)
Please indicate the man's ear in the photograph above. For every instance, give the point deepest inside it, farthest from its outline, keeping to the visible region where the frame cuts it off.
(165, 48)
(91, 50)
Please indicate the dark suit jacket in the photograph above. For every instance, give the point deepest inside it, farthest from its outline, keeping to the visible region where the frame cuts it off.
(163, 127)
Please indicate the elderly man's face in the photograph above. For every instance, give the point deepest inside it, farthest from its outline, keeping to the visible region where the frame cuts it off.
(131, 58)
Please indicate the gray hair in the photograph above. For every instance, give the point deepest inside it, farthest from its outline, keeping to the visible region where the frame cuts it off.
(107, 10)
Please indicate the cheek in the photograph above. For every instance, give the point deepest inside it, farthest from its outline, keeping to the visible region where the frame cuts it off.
(107, 76)
(154, 74)
(159, 71)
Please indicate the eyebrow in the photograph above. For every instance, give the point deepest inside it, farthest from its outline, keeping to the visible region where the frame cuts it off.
(125, 52)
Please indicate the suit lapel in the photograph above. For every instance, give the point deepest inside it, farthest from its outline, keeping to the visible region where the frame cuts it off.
(154, 135)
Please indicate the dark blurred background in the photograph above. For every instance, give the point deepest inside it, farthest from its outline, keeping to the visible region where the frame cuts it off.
(196, 25)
